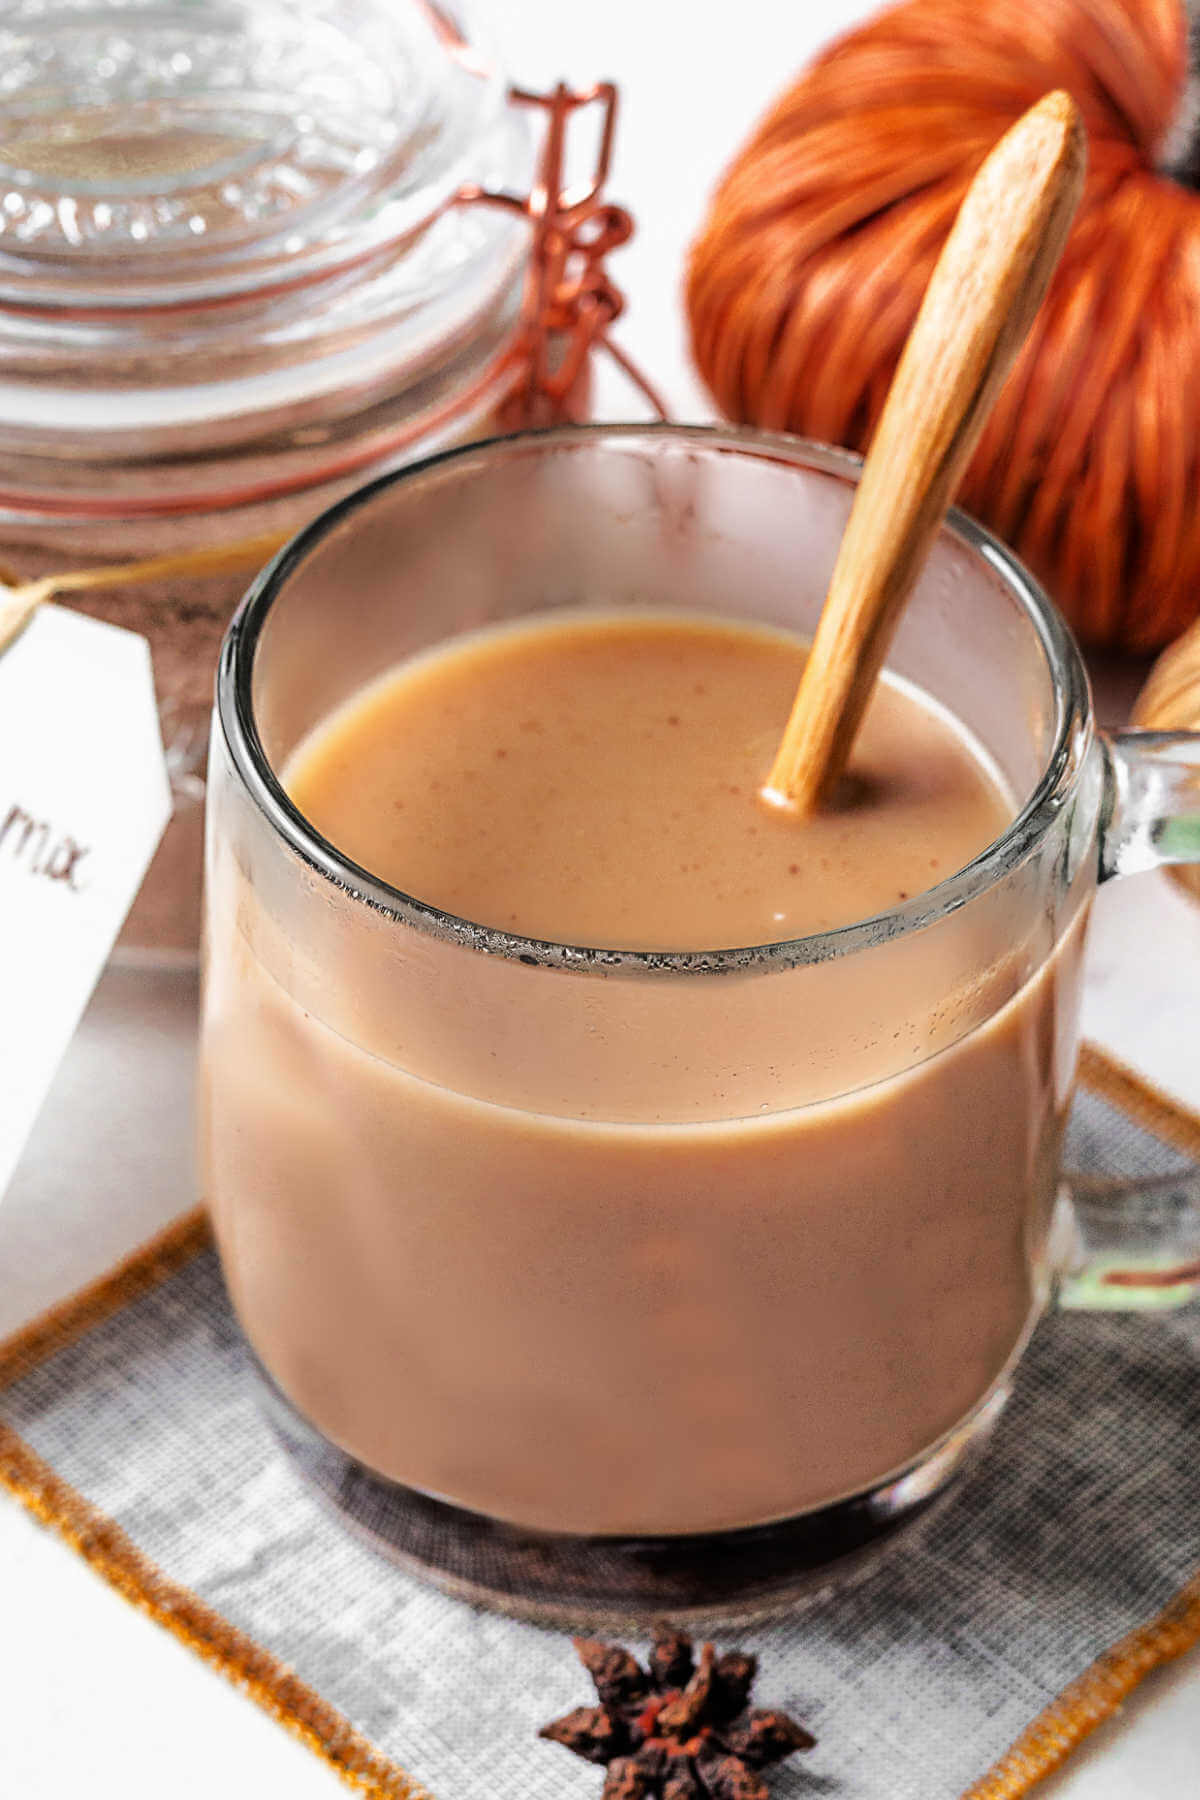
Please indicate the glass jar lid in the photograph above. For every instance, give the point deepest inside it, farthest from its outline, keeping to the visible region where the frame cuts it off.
(212, 209)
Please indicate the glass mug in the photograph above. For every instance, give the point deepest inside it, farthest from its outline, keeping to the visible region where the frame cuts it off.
(598, 1282)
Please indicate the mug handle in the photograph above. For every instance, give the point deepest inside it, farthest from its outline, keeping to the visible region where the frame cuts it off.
(1152, 801)
(1133, 1244)
(1129, 1244)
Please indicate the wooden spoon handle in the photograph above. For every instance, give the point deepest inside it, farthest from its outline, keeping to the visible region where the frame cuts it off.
(981, 300)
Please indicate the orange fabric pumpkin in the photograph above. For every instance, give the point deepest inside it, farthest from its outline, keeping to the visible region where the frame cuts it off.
(809, 270)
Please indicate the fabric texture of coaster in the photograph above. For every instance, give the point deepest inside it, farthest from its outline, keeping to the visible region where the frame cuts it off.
(983, 1645)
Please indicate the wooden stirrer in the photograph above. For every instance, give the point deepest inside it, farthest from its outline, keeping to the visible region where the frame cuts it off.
(981, 300)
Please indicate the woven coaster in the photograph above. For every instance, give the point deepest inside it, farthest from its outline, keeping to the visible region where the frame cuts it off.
(981, 1649)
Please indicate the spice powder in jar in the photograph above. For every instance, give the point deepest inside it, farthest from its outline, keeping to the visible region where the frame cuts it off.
(235, 283)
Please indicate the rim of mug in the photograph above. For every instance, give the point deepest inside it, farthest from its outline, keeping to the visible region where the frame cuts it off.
(236, 718)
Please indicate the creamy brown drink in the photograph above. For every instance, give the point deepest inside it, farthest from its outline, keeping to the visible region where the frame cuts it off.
(623, 1271)
(599, 783)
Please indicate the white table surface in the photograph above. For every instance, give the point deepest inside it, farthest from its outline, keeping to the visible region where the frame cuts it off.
(93, 1696)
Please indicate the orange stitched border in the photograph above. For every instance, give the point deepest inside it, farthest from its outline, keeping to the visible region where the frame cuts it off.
(1140, 1100)
(158, 1259)
(143, 1269)
(1093, 1697)
(262, 1676)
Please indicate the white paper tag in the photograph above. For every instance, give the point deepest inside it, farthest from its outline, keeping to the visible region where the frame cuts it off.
(84, 798)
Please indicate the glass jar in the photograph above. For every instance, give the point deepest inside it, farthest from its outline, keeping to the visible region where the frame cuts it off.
(236, 276)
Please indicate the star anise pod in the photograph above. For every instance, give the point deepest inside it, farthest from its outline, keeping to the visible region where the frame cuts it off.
(681, 1729)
